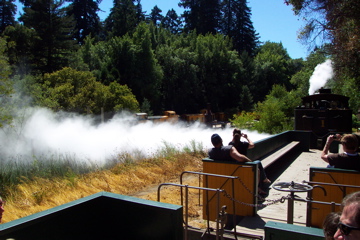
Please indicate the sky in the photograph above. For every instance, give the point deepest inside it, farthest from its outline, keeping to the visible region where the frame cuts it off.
(272, 20)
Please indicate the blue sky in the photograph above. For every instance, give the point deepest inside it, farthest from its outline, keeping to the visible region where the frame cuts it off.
(272, 20)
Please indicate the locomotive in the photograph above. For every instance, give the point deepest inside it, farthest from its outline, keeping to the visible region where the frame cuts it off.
(323, 114)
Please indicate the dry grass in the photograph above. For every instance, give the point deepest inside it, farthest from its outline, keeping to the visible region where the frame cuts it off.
(135, 179)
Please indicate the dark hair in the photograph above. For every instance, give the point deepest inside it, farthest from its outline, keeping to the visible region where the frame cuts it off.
(215, 139)
(236, 139)
(330, 225)
(236, 131)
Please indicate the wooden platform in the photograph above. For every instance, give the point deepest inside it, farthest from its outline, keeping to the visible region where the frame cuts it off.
(297, 172)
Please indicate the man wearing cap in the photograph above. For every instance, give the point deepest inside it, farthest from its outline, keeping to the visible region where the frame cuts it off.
(225, 153)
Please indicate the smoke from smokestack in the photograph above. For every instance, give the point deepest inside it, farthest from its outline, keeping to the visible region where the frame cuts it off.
(322, 73)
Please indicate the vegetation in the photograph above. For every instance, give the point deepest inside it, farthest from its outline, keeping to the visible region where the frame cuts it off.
(45, 184)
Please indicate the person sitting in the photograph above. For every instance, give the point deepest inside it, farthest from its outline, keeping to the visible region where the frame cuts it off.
(225, 153)
(330, 225)
(229, 153)
(241, 146)
(349, 222)
(349, 159)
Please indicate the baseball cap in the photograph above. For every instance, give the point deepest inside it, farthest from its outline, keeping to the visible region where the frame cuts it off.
(216, 139)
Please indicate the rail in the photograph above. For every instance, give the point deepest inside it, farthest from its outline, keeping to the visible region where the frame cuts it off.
(187, 206)
(206, 185)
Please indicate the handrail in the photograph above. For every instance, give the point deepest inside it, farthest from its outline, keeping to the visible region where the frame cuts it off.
(187, 202)
(207, 196)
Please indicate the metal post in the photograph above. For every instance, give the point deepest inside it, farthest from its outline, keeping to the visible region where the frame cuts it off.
(290, 215)
(186, 211)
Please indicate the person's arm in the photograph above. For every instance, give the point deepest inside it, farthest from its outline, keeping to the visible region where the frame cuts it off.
(237, 156)
(325, 151)
(251, 144)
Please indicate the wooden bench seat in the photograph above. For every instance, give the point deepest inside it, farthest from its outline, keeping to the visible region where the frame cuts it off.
(337, 183)
(244, 187)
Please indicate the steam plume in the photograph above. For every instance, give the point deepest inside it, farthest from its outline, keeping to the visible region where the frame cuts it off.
(322, 73)
(43, 132)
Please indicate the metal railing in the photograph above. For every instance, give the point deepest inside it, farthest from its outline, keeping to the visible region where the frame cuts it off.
(187, 187)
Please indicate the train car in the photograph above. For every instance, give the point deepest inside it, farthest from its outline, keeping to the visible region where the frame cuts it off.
(323, 114)
(169, 116)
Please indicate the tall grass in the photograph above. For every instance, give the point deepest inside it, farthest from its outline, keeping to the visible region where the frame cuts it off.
(41, 183)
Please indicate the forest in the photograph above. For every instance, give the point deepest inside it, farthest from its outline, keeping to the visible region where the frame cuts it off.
(59, 55)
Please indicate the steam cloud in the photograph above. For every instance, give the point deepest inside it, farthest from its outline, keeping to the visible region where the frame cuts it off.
(322, 73)
(43, 132)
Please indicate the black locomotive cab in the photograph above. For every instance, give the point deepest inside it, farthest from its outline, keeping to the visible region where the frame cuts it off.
(323, 114)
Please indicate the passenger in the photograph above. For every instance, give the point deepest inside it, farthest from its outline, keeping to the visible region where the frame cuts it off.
(330, 225)
(349, 223)
(225, 153)
(229, 153)
(241, 146)
(349, 159)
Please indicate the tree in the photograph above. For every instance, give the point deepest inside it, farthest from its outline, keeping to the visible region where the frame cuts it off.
(236, 23)
(276, 112)
(335, 22)
(273, 66)
(5, 86)
(86, 18)
(54, 29)
(7, 13)
(78, 91)
(123, 17)
(171, 22)
(201, 15)
(155, 16)
(20, 40)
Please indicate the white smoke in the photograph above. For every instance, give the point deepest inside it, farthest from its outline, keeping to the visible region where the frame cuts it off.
(322, 73)
(43, 132)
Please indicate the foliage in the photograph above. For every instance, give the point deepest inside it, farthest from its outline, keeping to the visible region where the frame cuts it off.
(272, 118)
(7, 13)
(123, 18)
(236, 23)
(272, 66)
(172, 22)
(244, 120)
(20, 41)
(78, 91)
(337, 23)
(86, 18)
(201, 15)
(275, 114)
(5, 86)
(54, 34)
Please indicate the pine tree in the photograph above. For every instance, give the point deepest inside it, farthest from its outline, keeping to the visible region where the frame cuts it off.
(86, 18)
(123, 17)
(172, 22)
(7, 13)
(54, 31)
(202, 15)
(155, 16)
(236, 23)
